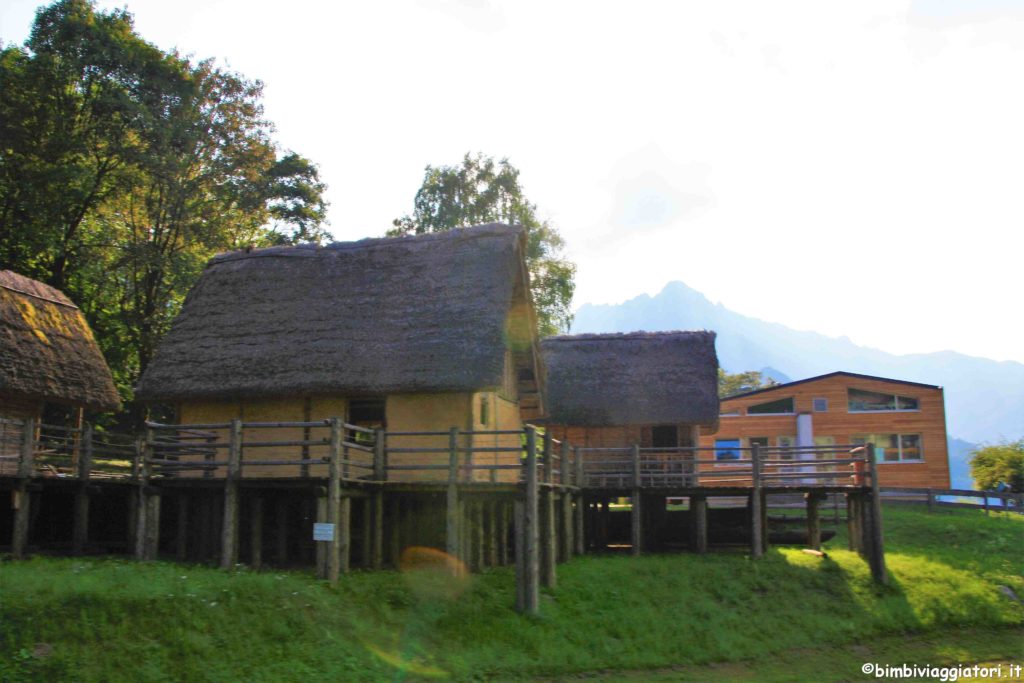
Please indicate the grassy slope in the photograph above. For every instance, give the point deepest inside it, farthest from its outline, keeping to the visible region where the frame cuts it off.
(113, 619)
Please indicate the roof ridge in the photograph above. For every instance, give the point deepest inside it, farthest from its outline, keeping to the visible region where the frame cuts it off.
(40, 297)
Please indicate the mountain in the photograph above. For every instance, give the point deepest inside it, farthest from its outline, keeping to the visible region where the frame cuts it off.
(984, 398)
(959, 463)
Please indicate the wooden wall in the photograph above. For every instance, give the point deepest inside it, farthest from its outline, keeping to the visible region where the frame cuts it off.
(838, 422)
(14, 408)
(617, 436)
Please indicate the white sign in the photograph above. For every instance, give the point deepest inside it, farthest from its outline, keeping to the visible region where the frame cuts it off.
(323, 532)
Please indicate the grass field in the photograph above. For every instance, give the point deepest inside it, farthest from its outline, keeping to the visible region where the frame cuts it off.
(720, 617)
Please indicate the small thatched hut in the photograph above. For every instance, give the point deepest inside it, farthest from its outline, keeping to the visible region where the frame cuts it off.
(47, 356)
(655, 389)
(416, 333)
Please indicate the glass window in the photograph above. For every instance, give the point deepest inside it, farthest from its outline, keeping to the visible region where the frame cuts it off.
(861, 401)
(758, 441)
(820, 405)
(664, 436)
(727, 449)
(782, 406)
(893, 447)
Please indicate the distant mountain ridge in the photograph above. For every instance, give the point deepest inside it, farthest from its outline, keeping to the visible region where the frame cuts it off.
(984, 398)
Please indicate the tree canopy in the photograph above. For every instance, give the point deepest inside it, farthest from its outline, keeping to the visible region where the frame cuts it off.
(1000, 464)
(482, 190)
(730, 384)
(124, 168)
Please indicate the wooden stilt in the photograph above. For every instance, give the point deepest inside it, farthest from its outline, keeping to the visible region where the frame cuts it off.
(519, 541)
(699, 523)
(491, 533)
(452, 495)
(578, 511)
(322, 551)
(181, 533)
(152, 534)
(256, 533)
(503, 524)
(377, 530)
(332, 548)
(567, 527)
(479, 547)
(281, 531)
(877, 557)
(548, 528)
(636, 511)
(22, 496)
(140, 471)
(344, 530)
(80, 534)
(229, 530)
(394, 530)
(813, 521)
(531, 528)
(366, 554)
(756, 517)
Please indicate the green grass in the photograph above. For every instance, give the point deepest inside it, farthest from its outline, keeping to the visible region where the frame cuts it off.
(109, 619)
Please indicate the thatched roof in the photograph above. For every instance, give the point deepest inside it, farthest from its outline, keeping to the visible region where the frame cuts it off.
(635, 378)
(47, 351)
(426, 313)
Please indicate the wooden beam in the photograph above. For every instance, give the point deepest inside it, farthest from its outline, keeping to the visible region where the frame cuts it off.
(813, 501)
(548, 528)
(877, 557)
(80, 533)
(140, 472)
(636, 511)
(699, 523)
(22, 496)
(229, 528)
(531, 528)
(152, 536)
(452, 495)
(334, 503)
(756, 501)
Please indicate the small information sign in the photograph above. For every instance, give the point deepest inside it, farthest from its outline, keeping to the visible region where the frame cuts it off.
(323, 532)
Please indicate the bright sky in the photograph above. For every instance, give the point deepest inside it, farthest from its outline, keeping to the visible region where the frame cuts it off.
(855, 168)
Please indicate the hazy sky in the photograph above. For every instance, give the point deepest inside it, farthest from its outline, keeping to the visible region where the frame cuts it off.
(855, 168)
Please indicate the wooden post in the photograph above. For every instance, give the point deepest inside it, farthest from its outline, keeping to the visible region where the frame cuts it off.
(452, 495)
(549, 526)
(343, 533)
(636, 514)
(503, 524)
(334, 504)
(256, 533)
(531, 528)
(81, 530)
(813, 520)
(394, 530)
(181, 535)
(853, 522)
(377, 501)
(566, 545)
(322, 550)
(152, 538)
(756, 528)
(699, 519)
(22, 496)
(281, 531)
(931, 500)
(491, 533)
(986, 504)
(140, 471)
(877, 555)
(229, 528)
(519, 541)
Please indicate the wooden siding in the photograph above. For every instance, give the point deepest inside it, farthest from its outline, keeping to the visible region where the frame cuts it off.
(839, 423)
(15, 408)
(615, 436)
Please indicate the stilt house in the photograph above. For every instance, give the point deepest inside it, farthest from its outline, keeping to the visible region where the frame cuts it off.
(652, 389)
(413, 334)
(47, 356)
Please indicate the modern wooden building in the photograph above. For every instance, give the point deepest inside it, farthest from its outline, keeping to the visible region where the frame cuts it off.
(652, 389)
(47, 356)
(411, 334)
(906, 421)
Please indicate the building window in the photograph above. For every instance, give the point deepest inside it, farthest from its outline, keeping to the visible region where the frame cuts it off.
(727, 449)
(784, 406)
(485, 406)
(861, 401)
(893, 447)
(366, 412)
(820, 405)
(824, 441)
(760, 441)
(664, 436)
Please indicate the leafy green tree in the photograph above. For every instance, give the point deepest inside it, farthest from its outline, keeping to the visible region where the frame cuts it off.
(999, 464)
(123, 169)
(481, 190)
(730, 384)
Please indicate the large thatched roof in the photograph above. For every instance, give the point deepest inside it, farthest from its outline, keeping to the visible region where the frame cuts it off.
(635, 378)
(47, 351)
(378, 316)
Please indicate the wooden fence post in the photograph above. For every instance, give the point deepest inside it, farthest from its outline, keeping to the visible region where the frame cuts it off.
(334, 503)
(22, 495)
(756, 519)
(452, 495)
(813, 500)
(580, 508)
(80, 534)
(140, 472)
(229, 524)
(636, 514)
(877, 555)
(699, 513)
(519, 543)
(548, 529)
(530, 574)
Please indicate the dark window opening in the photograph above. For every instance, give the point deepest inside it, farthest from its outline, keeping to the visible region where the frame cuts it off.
(525, 375)
(821, 405)
(366, 412)
(664, 436)
(782, 406)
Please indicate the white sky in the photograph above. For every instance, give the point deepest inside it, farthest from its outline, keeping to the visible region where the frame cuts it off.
(855, 168)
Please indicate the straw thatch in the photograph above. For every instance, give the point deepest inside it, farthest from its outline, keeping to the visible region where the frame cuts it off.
(635, 378)
(427, 313)
(47, 351)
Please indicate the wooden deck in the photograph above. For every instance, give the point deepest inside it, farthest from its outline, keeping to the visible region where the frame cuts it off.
(233, 490)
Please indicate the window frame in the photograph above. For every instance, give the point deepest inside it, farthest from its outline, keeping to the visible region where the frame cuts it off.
(885, 411)
(792, 399)
(899, 440)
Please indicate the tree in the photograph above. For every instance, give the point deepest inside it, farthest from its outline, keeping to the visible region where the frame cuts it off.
(480, 190)
(999, 464)
(740, 382)
(124, 168)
